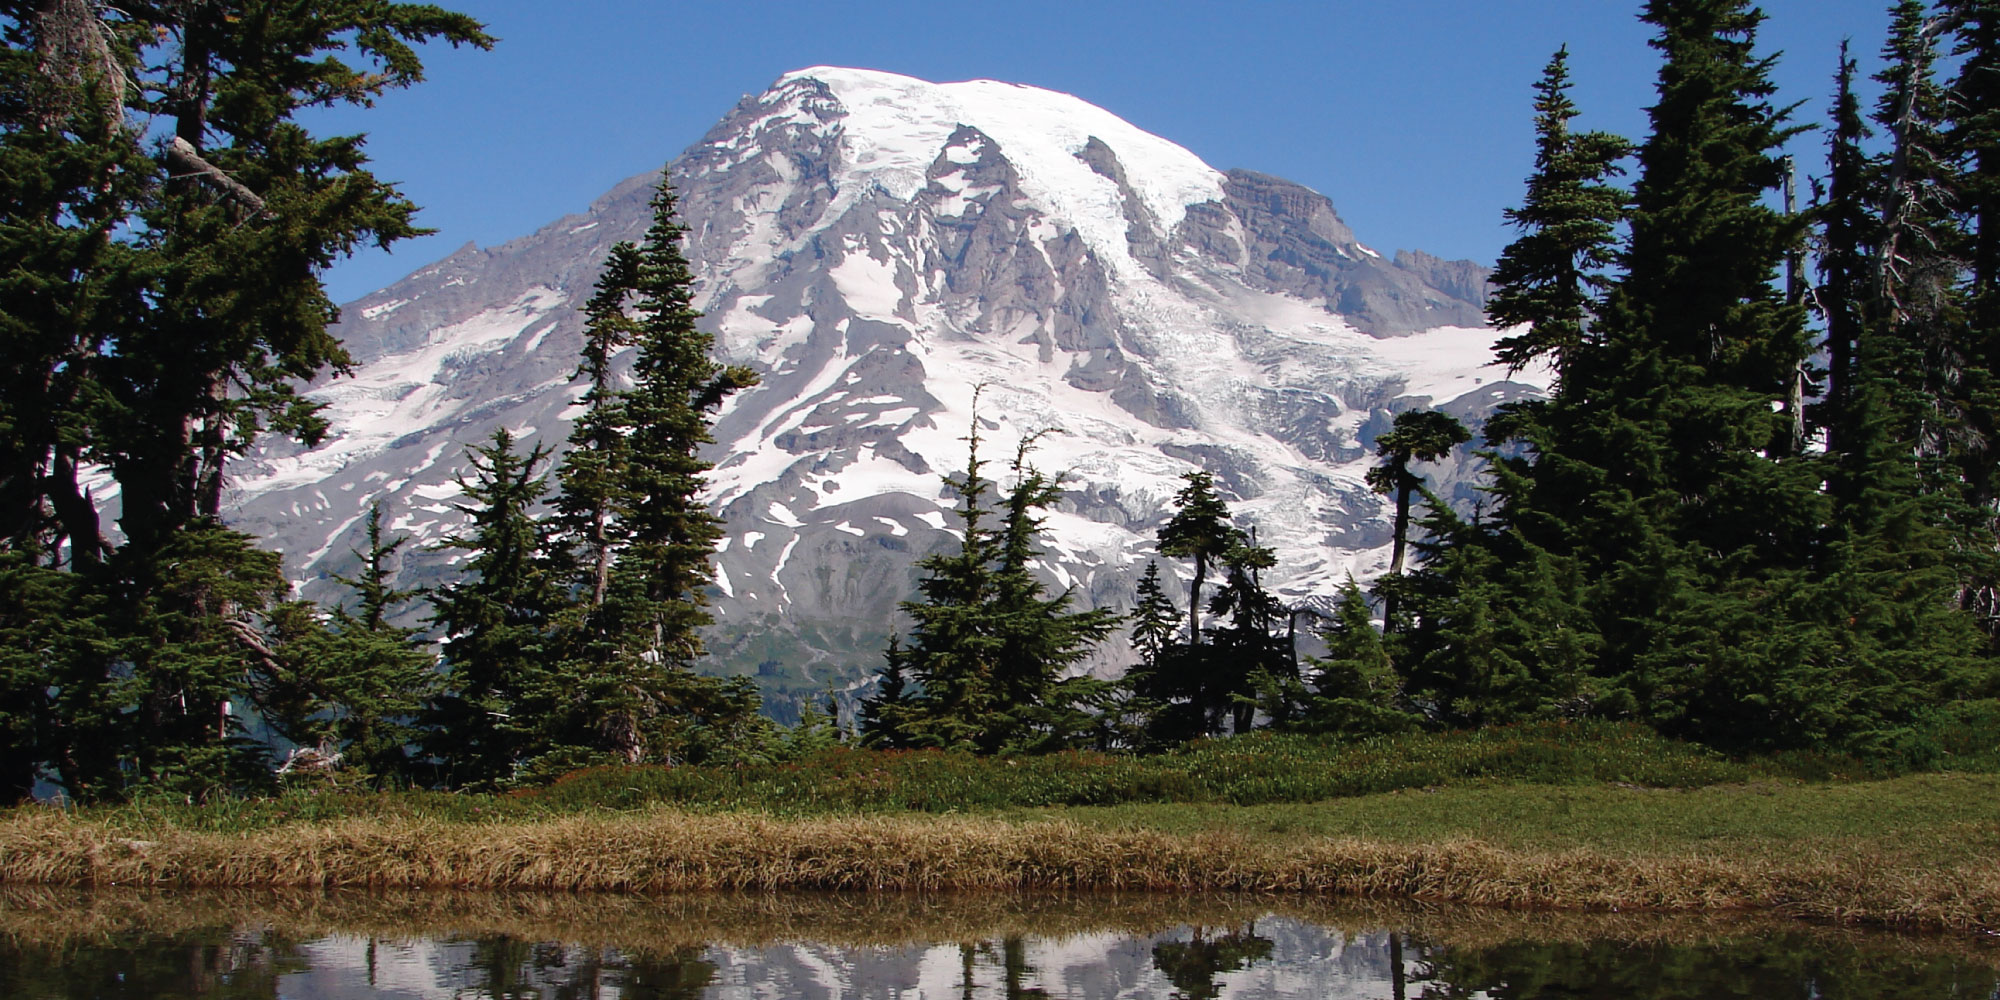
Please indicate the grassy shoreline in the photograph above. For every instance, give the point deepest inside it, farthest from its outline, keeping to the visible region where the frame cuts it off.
(1919, 852)
(1553, 816)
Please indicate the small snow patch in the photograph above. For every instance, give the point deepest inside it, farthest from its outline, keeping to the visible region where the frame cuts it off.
(384, 309)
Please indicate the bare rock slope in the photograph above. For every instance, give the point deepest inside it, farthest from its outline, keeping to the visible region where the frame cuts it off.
(877, 246)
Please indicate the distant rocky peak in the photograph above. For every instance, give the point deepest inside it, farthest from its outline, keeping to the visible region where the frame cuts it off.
(876, 246)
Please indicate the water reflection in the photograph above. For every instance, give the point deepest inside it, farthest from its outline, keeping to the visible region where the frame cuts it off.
(340, 946)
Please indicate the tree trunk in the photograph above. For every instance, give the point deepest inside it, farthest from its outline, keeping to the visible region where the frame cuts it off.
(76, 512)
(1402, 530)
(601, 571)
(1396, 986)
(1795, 399)
(1194, 599)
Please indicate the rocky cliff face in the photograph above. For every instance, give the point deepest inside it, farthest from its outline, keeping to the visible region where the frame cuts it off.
(877, 247)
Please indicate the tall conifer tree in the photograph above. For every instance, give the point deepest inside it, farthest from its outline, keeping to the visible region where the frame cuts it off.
(593, 471)
(168, 217)
(1549, 279)
(953, 647)
(1972, 401)
(1416, 436)
(1041, 637)
(632, 502)
(1199, 530)
(988, 643)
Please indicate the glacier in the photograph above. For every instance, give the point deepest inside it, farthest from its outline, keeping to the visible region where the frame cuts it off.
(879, 247)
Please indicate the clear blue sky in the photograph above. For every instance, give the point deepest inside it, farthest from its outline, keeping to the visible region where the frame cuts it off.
(1412, 115)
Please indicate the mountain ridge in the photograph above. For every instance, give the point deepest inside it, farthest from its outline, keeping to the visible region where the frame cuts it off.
(874, 256)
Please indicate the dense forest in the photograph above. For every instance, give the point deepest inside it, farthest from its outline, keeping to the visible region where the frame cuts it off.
(1759, 508)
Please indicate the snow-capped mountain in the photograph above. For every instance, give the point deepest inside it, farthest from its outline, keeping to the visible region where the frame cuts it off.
(877, 247)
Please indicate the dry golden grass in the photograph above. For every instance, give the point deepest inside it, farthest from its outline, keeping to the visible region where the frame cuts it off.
(666, 851)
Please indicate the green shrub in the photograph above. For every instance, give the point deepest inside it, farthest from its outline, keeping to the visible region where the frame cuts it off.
(1254, 768)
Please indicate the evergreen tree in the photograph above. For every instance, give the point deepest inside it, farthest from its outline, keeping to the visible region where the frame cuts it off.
(595, 468)
(1847, 231)
(1971, 357)
(1416, 436)
(639, 687)
(1155, 618)
(1199, 530)
(1549, 279)
(1663, 458)
(1248, 652)
(636, 536)
(36, 629)
(167, 218)
(1040, 637)
(817, 732)
(1211, 682)
(1499, 633)
(1356, 690)
(989, 643)
(1909, 311)
(1886, 634)
(497, 621)
(884, 714)
(1155, 623)
(953, 645)
(182, 631)
(353, 684)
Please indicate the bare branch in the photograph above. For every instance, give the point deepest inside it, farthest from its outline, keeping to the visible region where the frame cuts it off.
(182, 156)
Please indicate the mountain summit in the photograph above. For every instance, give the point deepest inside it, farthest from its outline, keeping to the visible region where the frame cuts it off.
(878, 246)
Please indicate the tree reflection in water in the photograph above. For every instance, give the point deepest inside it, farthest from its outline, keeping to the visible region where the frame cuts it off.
(1439, 956)
(1192, 965)
(514, 970)
(1780, 967)
(232, 969)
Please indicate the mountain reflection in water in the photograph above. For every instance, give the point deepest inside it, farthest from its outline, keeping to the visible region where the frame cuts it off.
(56, 944)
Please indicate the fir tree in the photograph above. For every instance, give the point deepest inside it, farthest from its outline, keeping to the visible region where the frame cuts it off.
(655, 588)
(1155, 619)
(1247, 651)
(1886, 639)
(1356, 690)
(817, 732)
(989, 643)
(1199, 530)
(353, 684)
(160, 308)
(884, 714)
(953, 644)
(1847, 231)
(1416, 436)
(1549, 279)
(595, 467)
(1040, 637)
(1971, 401)
(1499, 633)
(1200, 687)
(1665, 454)
(182, 630)
(497, 621)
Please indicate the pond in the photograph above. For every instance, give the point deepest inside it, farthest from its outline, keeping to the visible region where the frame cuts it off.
(336, 945)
